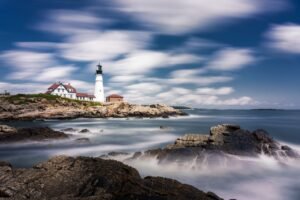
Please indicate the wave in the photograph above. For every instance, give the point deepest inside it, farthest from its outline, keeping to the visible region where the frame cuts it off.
(233, 177)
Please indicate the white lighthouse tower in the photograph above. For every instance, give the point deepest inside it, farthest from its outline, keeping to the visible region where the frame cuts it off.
(99, 91)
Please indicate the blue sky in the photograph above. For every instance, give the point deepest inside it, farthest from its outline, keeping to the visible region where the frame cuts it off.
(233, 54)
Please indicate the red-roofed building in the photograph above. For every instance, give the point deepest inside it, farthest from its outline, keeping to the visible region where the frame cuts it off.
(68, 91)
(114, 98)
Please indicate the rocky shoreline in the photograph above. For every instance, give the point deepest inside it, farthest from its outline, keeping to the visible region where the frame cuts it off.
(85, 178)
(39, 107)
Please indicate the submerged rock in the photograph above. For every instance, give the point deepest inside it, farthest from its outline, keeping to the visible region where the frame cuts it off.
(10, 134)
(84, 178)
(69, 130)
(85, 131)
(83, 140)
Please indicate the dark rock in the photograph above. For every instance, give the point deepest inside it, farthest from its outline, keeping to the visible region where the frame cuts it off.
(5, 164)
(163, 127)
(68, 130)
(85, 178)
(118, 154)
(286, 148)
(222, 140)
(83, 140)
(84, 131)
(31, 134)
(165, 116)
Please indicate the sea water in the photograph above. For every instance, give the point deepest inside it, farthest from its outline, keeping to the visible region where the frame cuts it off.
(242, 178)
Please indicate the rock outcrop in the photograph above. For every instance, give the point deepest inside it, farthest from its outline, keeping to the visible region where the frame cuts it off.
(9, 134)
(25, 108)
(223, 141)
(84, 178)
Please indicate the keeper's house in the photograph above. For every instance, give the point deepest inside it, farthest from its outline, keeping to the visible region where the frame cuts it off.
(68, 91)
(114, 98)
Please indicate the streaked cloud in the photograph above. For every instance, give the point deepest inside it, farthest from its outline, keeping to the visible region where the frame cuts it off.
(34, 66)
(231, 59)
(178, 17)
(144, 61)
(215, 91)
(285, 38)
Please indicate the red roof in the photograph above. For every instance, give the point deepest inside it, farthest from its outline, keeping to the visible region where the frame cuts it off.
(85, 95)
(53, 86)
(68, 86)
(114, 96)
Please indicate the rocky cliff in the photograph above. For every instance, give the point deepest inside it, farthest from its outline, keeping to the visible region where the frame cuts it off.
(30, 107)
(83, 178)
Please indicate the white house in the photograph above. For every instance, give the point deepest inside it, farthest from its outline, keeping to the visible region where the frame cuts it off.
(68, 91)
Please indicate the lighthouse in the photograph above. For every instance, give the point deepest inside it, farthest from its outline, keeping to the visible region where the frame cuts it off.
(99, 91)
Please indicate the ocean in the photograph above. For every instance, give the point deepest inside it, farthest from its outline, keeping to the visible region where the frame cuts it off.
(261, 178)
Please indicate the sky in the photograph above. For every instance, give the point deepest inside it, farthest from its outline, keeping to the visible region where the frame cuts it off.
(205, 54)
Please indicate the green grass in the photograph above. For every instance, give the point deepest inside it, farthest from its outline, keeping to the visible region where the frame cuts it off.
(30, 98)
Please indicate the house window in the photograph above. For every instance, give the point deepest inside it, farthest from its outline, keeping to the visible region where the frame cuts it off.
(58, 90)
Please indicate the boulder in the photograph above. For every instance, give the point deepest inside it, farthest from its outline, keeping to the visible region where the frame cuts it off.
(84, 178)
(223, 140)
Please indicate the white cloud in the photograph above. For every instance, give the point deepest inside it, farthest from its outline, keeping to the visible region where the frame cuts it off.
(26, 59)
(184, 73)
(105, 45)
(34, 66)
(23, 87)
(178, 16)
(285, 38)
(215, 91)
(144, 88)
(200, 80)
(56, 73)
(231, 59)
(195, 76)
(202, 97)
(26, 64)
(126, 78)
(70, 22)
(141, 62)
(242, 101)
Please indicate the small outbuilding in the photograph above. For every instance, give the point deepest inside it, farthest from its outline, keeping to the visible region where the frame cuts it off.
(114, 98)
